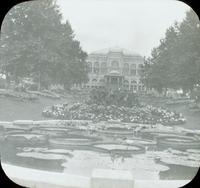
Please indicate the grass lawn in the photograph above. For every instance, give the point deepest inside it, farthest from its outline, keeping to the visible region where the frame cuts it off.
(11, 109)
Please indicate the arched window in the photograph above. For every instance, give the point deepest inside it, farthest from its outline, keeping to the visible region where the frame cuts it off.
(126, 69)
(140, 86)
(133, 69)
(103, 68)
(115, 65)
(90, 66)
(96, 67)
(94, 80)
(133, 85)
(133, 82)
(126, 83)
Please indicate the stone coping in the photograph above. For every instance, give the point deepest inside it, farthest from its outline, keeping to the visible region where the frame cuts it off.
(112, 174)
(40, 179)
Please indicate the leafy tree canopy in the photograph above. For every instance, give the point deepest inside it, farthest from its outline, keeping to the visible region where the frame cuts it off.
(35, 42)
(175, 63)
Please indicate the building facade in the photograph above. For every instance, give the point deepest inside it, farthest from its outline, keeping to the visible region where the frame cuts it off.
(115, 68)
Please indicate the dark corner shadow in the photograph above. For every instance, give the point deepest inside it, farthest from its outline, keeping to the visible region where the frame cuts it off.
(5, 181)
(195, 182)
(6, 6)
(194, 4)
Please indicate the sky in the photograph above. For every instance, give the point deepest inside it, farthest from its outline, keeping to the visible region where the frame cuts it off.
(136, 25)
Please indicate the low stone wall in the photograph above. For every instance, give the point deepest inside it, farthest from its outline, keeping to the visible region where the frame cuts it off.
(100, 179)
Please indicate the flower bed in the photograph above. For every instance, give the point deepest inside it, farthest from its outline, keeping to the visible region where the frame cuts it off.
(136, 114)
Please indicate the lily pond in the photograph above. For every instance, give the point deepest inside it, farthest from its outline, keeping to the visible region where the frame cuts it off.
(79, 147)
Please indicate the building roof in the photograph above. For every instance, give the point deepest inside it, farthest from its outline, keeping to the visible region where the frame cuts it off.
(117, 50)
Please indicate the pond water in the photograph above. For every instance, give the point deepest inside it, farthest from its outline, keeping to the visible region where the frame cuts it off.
(84, 151)
(173, 164)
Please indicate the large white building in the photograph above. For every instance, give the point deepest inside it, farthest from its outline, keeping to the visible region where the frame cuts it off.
(115, 68)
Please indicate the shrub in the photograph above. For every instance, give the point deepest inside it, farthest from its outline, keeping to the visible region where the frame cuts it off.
(106, 97)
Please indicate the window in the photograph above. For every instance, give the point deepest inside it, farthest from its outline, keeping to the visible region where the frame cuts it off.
(133, 82)
(90, 67)
(103, 68)
(133, 69)
(115, 65)
(126, 69)
(96, 67)
(94, 80)
(126, 83)
(133, 85)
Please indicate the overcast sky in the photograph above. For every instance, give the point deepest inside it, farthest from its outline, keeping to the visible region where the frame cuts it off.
(136, 25)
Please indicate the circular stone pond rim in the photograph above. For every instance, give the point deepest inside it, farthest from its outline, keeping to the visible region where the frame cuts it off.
(71, 140)
(192, 142)
(131, 151)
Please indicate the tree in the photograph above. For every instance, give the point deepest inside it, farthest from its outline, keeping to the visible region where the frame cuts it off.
(175, 63)
(34, 42)
(188, 55)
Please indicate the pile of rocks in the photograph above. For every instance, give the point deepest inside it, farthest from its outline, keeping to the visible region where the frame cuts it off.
(136, 114)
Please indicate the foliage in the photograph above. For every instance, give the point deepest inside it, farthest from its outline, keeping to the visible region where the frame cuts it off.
(97, 112)
(106, 97)
(35, 42)
(175, 63)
